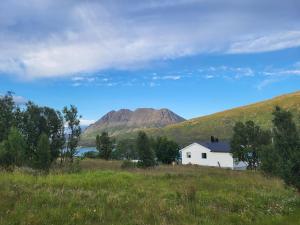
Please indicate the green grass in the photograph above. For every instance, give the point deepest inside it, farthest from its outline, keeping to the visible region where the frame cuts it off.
(221, 124)
(104, 194)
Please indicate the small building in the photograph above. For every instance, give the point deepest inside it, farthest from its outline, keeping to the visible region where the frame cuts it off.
(211, 153)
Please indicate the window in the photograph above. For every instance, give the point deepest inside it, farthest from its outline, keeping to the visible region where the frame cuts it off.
(188, 155)
(204, 156)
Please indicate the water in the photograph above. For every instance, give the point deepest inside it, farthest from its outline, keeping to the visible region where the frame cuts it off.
(82, 150)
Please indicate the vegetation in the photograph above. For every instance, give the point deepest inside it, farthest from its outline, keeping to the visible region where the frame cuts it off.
(167, 151)
(42, 159)
(221, 124)
(104, 145)
(34, 136)
(12, 150)
(73, 120)
(164, 195)
(146, 153)
(281, 158)
(91, 155)
(247, 143)
(285, 152)
(125, 150)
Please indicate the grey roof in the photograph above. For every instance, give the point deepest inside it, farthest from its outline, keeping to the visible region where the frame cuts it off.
(216, 146)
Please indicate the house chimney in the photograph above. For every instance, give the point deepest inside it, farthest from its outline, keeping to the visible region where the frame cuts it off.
(216, 139)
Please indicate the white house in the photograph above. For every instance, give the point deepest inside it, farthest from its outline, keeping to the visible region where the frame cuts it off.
(215, 154)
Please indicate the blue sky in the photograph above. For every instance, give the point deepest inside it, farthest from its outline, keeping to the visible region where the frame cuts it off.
(194, 57)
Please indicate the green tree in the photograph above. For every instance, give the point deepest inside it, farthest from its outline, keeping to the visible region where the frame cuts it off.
(6, 158)
(38, 120)
(12, 150)
(16, 146)
(270, 160)
(74, 130)
(55, 130)
(125, 149)
(286, 147)
(104, 145)
(247, 142)
(146, 153)
(167, 151)
(7, 115)
(42, 159)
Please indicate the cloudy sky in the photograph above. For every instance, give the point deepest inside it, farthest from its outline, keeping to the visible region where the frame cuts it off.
(192, 56)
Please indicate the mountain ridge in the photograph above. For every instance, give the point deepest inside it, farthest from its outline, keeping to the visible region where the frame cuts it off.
(126, 120)
(220, 123)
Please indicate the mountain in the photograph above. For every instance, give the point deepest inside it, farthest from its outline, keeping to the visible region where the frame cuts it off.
(198, 129)
(221, 124)
(125, 121)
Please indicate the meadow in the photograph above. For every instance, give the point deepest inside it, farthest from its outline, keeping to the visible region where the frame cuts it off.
(103, 193)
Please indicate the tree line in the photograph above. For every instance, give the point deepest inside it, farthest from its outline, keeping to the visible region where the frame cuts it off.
(149, 151)
(36, 136)
(275, 151)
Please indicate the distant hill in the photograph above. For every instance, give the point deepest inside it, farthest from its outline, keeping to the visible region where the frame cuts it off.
(221, 124)
(123, 121)
(198, 129)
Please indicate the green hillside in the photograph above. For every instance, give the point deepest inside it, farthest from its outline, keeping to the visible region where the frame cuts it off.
(221, 124)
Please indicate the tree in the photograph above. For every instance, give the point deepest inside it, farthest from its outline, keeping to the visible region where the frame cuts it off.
(104, 145)
(7, 115)
(74, 130)
(247, 142)
(42, 159)
(12, 150)
(167, 151)
(16, 146)
(125, 149)
(6, 158)
(38, 120)
(55, 130)
(146, 154)
(286, 147)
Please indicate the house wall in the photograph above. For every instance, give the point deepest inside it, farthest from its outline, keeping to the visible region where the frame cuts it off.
(196, 150)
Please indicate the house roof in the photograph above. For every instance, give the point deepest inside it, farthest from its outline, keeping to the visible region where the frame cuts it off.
(216, 146)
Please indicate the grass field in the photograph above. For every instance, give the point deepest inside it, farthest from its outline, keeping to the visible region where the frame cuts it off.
(102, 193)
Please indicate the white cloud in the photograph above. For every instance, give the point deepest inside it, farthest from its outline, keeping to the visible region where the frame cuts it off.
(226, 72)
(78, 78)
(49, 38)
(76, 84)
(19, 100)
(266, 82)
(291, 72)
(167, 77)
(153, 84)
(270, 42)
(278, 74)
(86, 122)
(209, 76)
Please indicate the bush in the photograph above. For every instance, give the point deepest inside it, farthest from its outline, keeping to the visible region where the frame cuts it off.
(127, 164)
(91, 155)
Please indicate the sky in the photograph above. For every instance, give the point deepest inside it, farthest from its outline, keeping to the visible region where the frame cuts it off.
(194, 57)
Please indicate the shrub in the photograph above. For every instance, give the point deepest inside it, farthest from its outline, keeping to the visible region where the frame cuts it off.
(91, 155)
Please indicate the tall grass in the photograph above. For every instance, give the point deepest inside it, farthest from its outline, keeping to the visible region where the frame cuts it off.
(165, 195)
